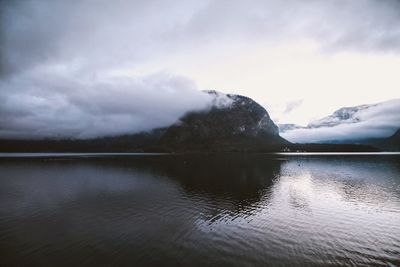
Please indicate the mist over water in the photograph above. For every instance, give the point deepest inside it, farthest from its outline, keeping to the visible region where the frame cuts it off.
(200, 210)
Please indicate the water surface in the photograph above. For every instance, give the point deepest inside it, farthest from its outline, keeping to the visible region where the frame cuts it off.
(200, 210)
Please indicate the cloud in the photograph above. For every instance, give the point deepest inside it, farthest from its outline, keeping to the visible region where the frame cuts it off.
(377, 121)
(333, 24)
(125, 33)
(57, 61)
(57, 57)
(83, 108)
(91, 35)
(293, 105)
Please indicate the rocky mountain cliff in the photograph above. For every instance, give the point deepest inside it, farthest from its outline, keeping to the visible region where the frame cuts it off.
(232, 122)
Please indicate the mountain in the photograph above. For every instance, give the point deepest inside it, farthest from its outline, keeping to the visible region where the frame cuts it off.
(391, 143)
(233, 122)
(356, 125)
(395, 138)
(344, 115)
(230, 123)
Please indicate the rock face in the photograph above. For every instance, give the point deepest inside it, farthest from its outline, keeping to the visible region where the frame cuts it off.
(232, 122)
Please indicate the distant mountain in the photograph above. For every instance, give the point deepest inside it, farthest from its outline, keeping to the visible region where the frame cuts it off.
(344, 115)
(391, 143)
(347, 125)
(233, 122)
(395, 138)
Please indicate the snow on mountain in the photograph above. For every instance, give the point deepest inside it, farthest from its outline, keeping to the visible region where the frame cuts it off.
(219, 100)
(343, 115)
(349, 124)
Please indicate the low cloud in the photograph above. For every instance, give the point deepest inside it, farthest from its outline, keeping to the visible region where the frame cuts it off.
(293, 105)
(83, 108)
(378, 121)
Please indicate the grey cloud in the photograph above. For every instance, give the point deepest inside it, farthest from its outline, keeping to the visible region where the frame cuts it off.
(89, 34)
(32, 107)
(54, 55)
(124, 33)
(334, 24)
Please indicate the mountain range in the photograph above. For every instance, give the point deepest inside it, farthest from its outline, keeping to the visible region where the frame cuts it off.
(231, 123)
(357, 125)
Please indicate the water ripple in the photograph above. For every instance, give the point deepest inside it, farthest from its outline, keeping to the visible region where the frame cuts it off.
(211, 211)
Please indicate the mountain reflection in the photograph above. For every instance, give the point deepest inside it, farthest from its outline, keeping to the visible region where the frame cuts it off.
(241, 178)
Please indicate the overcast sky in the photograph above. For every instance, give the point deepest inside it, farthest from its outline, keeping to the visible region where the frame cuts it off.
(100, 67)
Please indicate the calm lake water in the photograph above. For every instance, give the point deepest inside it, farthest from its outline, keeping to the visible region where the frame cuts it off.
(200, 210)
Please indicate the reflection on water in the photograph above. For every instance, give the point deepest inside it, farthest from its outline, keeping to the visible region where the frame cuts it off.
(200, 210)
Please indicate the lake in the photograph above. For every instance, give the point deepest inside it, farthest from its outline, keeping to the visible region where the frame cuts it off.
(200, 210)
